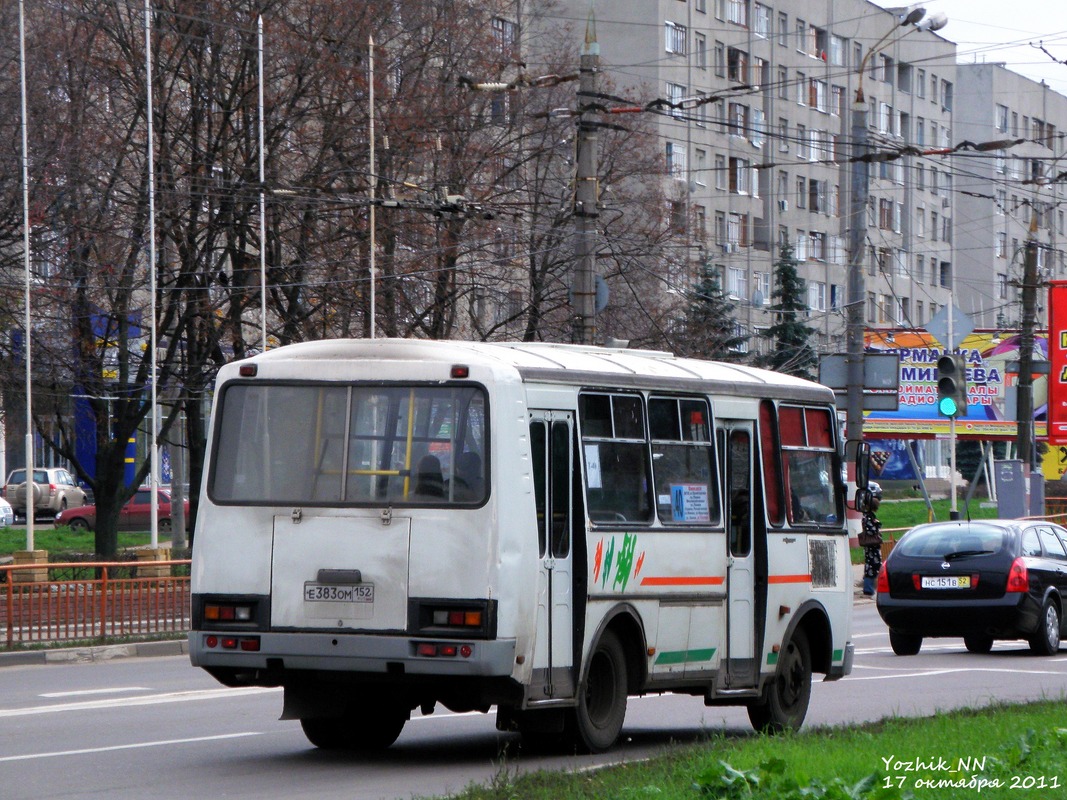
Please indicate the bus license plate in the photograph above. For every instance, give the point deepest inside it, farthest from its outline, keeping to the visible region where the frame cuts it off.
(946, 582)
(339, 593)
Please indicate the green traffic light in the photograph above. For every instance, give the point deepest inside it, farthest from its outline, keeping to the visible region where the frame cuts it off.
(947, 406)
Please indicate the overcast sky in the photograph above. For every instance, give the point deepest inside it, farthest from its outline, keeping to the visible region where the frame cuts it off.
(1002, 30)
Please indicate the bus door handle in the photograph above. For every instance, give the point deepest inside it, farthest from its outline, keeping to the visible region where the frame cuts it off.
(730, 562)
(550, 564)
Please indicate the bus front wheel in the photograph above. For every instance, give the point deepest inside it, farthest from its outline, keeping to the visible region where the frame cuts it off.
(371, 726)
(785, 699)
(601, 706)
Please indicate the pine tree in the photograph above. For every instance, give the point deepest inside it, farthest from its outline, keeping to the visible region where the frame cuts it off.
(710, 326)
(792, 352)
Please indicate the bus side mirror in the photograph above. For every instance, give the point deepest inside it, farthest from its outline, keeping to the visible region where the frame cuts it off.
(863, 467)
(863, 500)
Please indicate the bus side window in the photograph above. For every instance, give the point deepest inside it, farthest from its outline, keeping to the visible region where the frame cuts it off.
(538, 447)
(615, 448)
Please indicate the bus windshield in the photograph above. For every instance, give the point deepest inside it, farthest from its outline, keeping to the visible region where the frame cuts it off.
(335, 444)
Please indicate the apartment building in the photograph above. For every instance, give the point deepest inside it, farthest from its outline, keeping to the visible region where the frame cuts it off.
(1006, 196)
(759, 153)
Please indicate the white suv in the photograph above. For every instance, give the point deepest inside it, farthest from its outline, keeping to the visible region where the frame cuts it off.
(53, 489)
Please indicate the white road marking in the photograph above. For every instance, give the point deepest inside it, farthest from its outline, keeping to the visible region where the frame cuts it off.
(83, 692)
(137, 745)
(935, 672)
(126, 702)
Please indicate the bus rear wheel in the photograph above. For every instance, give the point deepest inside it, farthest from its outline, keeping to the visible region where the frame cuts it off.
(784, 703)
(370, 726)
(597, 720)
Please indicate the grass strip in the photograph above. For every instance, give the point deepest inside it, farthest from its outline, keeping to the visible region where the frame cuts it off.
(1002, 751)
(62, 540)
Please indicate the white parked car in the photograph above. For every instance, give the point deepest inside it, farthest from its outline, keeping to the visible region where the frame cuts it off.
(7, 514)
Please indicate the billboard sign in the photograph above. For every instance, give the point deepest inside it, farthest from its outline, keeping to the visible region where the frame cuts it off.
(987, 357)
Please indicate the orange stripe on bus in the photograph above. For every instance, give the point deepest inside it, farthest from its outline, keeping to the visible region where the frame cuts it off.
(692, 580)
(789, 579)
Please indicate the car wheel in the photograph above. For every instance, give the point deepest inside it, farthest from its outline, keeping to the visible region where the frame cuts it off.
(905, 644)
(785, 699)
(164, 525)
(78, 525)
(597, 721)
(978, 643)
(1046, 639)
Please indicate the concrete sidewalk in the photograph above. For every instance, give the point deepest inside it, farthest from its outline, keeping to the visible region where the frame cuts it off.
(60, 654)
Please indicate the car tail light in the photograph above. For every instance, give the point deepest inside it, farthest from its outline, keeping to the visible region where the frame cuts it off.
(1018, 578)
(883, 580)
(51, 490)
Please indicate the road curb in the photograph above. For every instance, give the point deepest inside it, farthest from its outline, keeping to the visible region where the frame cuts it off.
(106, 652)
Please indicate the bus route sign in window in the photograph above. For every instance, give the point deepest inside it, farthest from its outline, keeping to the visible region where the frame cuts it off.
(333, 444)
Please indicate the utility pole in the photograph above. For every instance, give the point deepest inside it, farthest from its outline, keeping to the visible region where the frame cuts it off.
(1025, 390)
(859, 190)
(586, 195)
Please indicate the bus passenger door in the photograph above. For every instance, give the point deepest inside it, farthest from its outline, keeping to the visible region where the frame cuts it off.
(551, 442)
(735, 451)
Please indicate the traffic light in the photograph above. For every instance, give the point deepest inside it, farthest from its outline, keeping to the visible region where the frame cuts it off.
(951, 386)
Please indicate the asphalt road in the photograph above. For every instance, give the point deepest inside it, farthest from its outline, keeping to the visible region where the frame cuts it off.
(156, 727)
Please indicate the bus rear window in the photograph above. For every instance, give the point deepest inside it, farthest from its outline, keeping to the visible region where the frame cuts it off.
(330, 444)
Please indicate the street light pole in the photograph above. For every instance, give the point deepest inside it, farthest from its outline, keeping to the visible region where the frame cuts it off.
(859, 190)
(586, 194)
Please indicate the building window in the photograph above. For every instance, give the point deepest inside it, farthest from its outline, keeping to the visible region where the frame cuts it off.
(761, 23)
(837, 101)
(677, 36)
(920, 82)
(700, 44)
(737, 12)
(838, 48)
(505, 35)
(783, 28)
(737, 65)
(740, 176)
(1000, 118)
(676, 161)
(675, 94)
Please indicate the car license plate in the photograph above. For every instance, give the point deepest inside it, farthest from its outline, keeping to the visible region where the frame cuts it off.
(946, 582)
(339, 593)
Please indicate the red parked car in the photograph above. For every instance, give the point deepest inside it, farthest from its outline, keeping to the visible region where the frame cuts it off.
(135, 516)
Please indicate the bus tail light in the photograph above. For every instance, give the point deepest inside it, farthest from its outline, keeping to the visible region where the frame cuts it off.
(459, 618)
(227, 612)
(443, 650)
(247, 644)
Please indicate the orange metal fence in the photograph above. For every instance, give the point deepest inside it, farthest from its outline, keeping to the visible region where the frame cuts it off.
(91, 600)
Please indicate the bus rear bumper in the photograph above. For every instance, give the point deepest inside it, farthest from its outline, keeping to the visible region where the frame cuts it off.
(272, 654)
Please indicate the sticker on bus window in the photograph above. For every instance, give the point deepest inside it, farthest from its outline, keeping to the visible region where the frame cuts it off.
(592, 466)
(689, 502)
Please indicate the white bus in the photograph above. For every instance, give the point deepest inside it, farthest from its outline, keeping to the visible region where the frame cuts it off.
(544, 529)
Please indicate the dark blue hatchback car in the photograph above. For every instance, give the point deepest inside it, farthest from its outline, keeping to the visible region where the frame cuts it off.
(982, 580)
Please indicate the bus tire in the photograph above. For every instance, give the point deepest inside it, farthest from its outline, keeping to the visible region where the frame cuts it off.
(601, 710)
(784, 703)
(374, 726)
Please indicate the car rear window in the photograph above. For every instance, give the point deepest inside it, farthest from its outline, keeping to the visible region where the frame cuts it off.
(938, 541)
